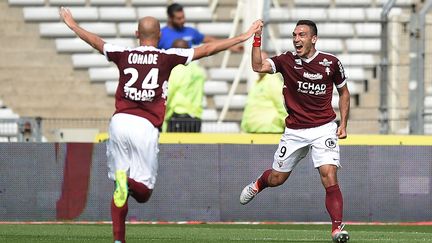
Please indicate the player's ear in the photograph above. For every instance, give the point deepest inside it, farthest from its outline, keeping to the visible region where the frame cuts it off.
(137, 34)
(314, 39)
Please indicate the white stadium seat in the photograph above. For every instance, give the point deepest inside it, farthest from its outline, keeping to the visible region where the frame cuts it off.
(335, 101)
(117, 14)
(237, 101)
(402, 3)
(193, 2)
(149, 2)
(111, 87)
(157, 12)
(215, 29)
(6, 113)
(317, 14)
(89, 60)
(374, 14)
(52, 13)
(55, 30)
(8, 129)
(67, 2)
(108, 2)
(227, 74)
(357, 3)
(346, 14)
(61, 30)
(77, 45)
(355, 73)
(312, 2)
(368, 29)
(215, 87)
(26, 2)
(127, 29)
(363, 45)
(428, 102)
(103, 74)
(209, 115)
(357, 60)
(223, 127)
(279, 14)
(198, 14)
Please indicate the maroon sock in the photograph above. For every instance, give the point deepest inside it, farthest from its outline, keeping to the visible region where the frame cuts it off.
(262, 181)
(334, 205)
(118, 216)
(139, 191)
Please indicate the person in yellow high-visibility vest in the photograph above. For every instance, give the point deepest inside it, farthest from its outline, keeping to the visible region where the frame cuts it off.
(265, 111)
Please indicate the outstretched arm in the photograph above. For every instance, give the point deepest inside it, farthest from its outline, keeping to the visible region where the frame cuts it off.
(344, 107)
(214, 47)
(259, 65)
(92, 39)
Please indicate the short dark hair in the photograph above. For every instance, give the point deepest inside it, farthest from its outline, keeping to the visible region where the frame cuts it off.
(175, 7)
(309, 23)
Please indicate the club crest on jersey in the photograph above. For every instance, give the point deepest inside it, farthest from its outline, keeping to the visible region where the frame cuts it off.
(325, 62)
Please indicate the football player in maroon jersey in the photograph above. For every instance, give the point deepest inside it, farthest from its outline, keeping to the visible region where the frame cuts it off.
(309, 76)
(140, 107)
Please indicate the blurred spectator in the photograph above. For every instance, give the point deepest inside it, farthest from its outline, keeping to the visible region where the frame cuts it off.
(265, 111)
(176, 29)
(185, 95)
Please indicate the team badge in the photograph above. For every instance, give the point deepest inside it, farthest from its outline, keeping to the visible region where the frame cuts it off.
(330, 143)
(327, 70)
(325, 62)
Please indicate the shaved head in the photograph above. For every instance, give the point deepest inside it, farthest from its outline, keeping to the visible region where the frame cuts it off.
(148, 28)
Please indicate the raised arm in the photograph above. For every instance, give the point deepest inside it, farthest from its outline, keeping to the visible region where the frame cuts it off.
(214, 47)
(92, 39)
(258, 64)
(344, 107)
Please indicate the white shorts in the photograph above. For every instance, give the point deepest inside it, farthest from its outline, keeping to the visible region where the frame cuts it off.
(133, 147)
(295, 144)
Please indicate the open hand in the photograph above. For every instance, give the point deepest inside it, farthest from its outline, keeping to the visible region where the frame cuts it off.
(256, 28)
(67, 18)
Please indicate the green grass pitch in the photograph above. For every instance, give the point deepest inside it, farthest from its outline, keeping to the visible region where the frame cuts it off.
(212, 233)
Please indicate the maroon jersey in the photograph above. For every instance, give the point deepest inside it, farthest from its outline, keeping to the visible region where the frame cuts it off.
(143, 82)
(308, 87)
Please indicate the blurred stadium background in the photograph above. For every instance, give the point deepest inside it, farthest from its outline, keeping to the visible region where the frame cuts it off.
(47, 73)
(55, 88)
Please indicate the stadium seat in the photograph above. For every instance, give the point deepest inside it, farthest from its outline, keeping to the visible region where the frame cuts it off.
(428, 102)
(193, 2)
(103, 74)
(312, 3)
(227, 74)
(346, 14)
(335, 101)
(355, 73)
(317, 14)
(127, 29)
(117, 14)
(374, 14)
(6, 113)
(237, 101)
(365, 60)
(67, 2)
(26, 2)
(400, 3)
(198, 14)
(223, 127)
(8, 129)
(209, 115)
(157, 12)
(76, 45)
(368, 29)
(357, 3)
(111, 87)
(89, 60)
(215, 87)
(108, 2)
(215, 29)
(52, 13)
(149, 3)
(363, 45)
(61, 30)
